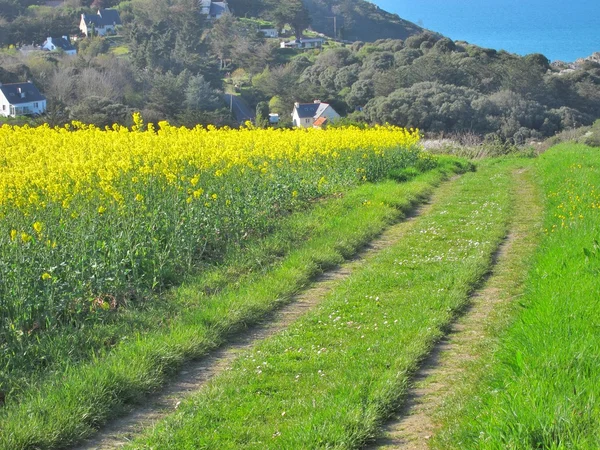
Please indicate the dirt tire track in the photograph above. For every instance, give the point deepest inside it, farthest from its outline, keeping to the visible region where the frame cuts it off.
(195, 374)
(448, 363)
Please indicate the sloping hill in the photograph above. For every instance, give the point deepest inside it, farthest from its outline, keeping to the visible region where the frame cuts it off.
(358, 20)
(354, 19)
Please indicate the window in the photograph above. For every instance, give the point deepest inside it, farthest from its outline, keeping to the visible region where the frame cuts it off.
(3, 107)
(307, 120)
(35, 105)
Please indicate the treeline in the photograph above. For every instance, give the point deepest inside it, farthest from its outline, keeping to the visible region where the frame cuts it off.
(440, 86)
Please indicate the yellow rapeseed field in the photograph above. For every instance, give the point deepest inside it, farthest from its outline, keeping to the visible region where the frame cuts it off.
(56, 164)
(90, 214)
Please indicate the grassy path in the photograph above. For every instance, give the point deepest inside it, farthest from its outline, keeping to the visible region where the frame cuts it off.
(72, 404)
(331, 377)
(452, 360)
(194, 375)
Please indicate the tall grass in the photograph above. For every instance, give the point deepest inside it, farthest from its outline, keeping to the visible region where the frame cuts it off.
(542, 389)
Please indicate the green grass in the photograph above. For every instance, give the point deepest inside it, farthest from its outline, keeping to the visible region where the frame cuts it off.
(541, 390)
(120, 50)
(330, 379)
(74, 399)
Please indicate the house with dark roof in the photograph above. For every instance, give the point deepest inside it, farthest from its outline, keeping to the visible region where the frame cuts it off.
(105, 22)
(316, 114)
(213, 10)
(21, 99)
(63, 43)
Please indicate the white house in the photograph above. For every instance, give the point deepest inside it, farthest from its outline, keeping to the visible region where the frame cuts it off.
(306, 115)
(303, 43)
(62, 43)
(269, 32)
(106, 21)
(21, 99)
(213, 10)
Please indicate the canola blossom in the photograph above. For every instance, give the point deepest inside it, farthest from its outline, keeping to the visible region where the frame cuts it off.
(90, 218)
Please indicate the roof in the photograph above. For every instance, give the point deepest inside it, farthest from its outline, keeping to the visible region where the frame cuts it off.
(218, 8)
(92, 19)
(103, 18)
(311, 110)
(314, 110)
(320, 122)
(13, 95)
(306, 110)
(109, 16)
(61, 42)
(322, 108)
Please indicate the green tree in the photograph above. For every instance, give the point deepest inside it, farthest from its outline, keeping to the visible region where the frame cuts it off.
(292, 12)
(262, 114)
(279, 106)
(199, 95)
(99, 111)
(221, 42)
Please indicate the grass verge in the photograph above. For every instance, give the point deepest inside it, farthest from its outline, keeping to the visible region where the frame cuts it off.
(334, 375)
(540, 389)
(70, 404)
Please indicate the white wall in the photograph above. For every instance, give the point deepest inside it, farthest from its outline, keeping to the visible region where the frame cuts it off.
(4, 106)
(305, 122)
(24, 108)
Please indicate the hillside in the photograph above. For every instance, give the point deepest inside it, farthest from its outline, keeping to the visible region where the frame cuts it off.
(355, 20)
(358, 20)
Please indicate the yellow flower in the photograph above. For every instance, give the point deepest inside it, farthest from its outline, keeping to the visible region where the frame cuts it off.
(139, 197)
(13, 234)
(25, 238)
(37, 226)
(101, 210)
(46, 276)
(295, 194)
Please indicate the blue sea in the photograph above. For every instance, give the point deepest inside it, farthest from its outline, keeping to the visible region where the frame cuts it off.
(560, 29)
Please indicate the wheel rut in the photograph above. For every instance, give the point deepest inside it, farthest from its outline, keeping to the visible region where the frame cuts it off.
(195, 374)
(413, 425)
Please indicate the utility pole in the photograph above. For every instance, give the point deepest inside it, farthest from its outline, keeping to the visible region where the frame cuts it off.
(334, 26)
